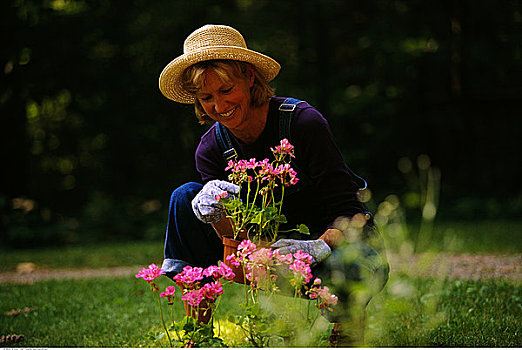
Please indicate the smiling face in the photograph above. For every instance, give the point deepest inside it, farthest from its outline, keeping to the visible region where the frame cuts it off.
(227, 102)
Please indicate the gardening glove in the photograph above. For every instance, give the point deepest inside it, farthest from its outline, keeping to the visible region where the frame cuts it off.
(317, 248)
(205, 205)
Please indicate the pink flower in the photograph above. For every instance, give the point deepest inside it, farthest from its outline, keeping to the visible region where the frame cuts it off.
(284, 172)
(237, 167)
(266, 170)
(284, 148)
(262, 256)
(287, 175)
(301, 270)
(193, 297)
(299, 255)
(212, 290)
(257, 275)
(317, 281)
(263, 164)
(212, 271)
(282, 258)
(239, 170)
(168, 293)
(226, 272)
(269, 173)
(189, 275)
(231, 165)
(233, 260)
(246, 247)
(151, 273)
(325, 298)
(221, 196)
(252, 164)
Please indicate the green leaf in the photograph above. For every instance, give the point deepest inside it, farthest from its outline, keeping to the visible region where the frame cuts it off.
(258, 218)
(189, 324)
(303, 229)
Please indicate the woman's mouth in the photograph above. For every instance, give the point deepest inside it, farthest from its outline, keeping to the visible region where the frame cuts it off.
(228, 114)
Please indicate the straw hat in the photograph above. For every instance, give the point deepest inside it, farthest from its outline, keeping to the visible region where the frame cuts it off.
(211, 42)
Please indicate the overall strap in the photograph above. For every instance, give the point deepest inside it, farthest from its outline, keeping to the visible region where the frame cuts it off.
(223, 138)
(286, 112)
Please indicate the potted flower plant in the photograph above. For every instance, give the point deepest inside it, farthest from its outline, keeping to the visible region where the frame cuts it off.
(259, 216)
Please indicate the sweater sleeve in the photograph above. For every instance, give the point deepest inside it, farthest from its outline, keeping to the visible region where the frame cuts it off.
(321, 159)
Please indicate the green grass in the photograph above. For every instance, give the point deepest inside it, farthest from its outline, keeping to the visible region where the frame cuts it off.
(86, 313)
(495, 237)
(122, 312)
(488, 236)
(424, 312)
(92, 256)
(97, 312)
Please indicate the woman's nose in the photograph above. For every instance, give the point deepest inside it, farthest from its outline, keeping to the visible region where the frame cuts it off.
(220, 105)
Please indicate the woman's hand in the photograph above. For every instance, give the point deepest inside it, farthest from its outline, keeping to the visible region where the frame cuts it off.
(318, 249)
(206, 207)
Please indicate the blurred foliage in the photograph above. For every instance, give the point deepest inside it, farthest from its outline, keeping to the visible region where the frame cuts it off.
(91, 149)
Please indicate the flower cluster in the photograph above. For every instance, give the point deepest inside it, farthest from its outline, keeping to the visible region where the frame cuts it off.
(325, 299)
(210, 291)
(221, 196)
(169, 293)
(259, 265)
(284, 148)
(301, 271)
(263, 170)
(261, 214)
(188, 277)
(150, 274)
(201, 288)
(200, 299)
(189, 281)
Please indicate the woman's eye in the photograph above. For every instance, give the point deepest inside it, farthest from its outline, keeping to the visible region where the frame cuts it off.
(206, 98)
(226, 91)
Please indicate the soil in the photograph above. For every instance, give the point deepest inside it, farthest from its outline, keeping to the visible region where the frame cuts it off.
(461, 266)
(24, 276)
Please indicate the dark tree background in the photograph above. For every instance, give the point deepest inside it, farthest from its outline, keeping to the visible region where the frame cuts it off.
(91, 150)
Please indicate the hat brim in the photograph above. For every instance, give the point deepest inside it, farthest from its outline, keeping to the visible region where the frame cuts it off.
(170, 77)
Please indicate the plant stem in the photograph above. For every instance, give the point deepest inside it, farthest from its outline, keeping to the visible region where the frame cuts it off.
(244, 282)
(163, 321)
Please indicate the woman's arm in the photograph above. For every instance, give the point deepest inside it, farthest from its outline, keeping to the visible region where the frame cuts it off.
(333, 237)
(320, 158)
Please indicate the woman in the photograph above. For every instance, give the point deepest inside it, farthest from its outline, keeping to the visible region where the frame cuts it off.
(228, 84)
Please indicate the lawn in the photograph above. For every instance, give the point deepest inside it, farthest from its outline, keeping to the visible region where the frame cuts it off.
(424, 312)
(91, 256)
(121, 312)
(495, 237)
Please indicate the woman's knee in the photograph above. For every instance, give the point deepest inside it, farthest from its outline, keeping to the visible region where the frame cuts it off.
(185, 193)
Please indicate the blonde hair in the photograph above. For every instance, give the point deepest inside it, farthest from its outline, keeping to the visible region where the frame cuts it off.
(193, 79)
